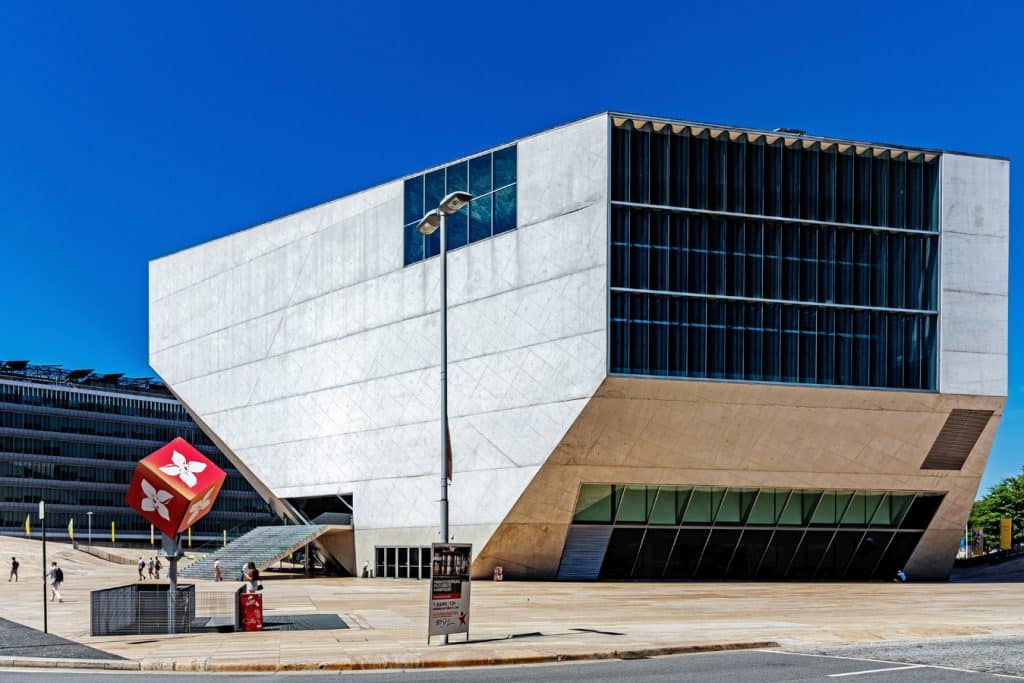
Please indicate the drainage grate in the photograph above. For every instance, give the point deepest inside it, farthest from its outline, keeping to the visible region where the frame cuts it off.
(956, 440)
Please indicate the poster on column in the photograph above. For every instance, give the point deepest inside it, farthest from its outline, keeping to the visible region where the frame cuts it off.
(449, 589)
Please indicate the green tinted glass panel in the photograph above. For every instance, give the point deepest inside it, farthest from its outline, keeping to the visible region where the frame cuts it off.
(634, 505)
(763, 511)
(825, 514)
(664, 511)
(747, 498)
(716, 500)
(457, 177)
(729, 512)
(899, 502)
(594, 504)
(792, 511)
(682, 501)
(808, 502)
(843, 501)
(872, 502)
(504, 167)
(856, 511)
(699, 510)
(883, 515)
(480, 175)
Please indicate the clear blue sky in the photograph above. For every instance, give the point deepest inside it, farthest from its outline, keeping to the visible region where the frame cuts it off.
(128, 131)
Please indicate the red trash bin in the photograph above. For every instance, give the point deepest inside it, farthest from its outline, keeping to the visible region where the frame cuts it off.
(252, 611)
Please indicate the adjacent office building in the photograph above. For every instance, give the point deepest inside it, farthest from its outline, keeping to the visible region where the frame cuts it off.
(73, 438)
(676, 350)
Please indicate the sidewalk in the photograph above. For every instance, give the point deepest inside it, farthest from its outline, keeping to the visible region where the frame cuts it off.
(519, 622)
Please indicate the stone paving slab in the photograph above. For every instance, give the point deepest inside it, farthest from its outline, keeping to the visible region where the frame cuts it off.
(520, 622)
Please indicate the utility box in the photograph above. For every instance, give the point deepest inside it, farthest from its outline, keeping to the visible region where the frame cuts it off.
(250, 609)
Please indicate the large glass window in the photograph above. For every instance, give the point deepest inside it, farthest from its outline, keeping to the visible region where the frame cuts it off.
(490, 178)
(764, 258)
(715, 532)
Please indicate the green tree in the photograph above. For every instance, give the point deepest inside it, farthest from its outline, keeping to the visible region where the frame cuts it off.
(1005, 499)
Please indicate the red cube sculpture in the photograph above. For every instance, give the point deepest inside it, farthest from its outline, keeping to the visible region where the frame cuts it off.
(174, 487)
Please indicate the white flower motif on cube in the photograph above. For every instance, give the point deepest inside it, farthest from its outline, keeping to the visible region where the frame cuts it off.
(184, 469)
(199, 506)
(154, 500)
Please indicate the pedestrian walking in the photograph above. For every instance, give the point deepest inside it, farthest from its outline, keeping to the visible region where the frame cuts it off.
(157, 566)
(217, 575)
(151, 567)
(142, 568)
(14, 570)
(366, 569)
(55, 578)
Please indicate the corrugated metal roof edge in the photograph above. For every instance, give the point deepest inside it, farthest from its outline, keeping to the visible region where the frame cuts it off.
(761, 131)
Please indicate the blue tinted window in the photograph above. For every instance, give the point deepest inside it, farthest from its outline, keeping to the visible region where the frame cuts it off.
(480, 175)
(413, 199)
(433, 190)
(769, 296)
(413, 244)
(457, 226)
(490, 178)
(480, 218)
(504, 209)
(504, 167)
(457, 177)
(432, 244)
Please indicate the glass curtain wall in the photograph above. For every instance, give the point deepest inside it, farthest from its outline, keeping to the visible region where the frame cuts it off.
(762, 258)
(685, 532)
(490, 178)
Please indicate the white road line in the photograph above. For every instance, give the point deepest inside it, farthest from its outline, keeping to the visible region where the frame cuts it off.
(887, 661)
(877, 671)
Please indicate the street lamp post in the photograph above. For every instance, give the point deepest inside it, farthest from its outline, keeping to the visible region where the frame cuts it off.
(433, 220)
(89, 515)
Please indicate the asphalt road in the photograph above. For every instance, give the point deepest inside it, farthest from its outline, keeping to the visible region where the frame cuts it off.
(917, 662)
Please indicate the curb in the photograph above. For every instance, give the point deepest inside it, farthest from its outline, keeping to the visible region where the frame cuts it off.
(65, 663)
(408, 662)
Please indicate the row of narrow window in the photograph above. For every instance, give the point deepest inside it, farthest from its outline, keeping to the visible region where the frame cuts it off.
(765, 259)
(114, 499)
(775, 176)
(490, 178)
(111, 474)
(76, 400)
(146, 431)
(697, 337)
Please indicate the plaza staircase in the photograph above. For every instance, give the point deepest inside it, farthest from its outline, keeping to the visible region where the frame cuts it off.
(263, 546)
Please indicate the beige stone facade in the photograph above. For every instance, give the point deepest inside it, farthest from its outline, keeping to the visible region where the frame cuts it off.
(656, 431)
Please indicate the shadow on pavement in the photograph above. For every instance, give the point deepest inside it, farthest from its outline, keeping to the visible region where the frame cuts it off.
(17, 640)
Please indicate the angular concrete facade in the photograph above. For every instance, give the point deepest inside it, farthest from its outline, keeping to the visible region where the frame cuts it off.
(308, 351)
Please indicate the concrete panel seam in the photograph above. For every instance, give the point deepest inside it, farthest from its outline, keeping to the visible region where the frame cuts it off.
(431, 311)
(242, 449)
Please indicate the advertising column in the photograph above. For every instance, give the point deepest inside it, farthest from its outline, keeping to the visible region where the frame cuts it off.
(449, 589)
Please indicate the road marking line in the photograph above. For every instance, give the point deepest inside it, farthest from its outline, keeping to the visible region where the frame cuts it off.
(877, 671)
(887, 661)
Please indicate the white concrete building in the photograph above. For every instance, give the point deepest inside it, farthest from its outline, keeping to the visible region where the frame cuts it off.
(639, 310)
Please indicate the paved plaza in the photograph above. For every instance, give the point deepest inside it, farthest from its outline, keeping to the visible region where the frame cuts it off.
(519, 621)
